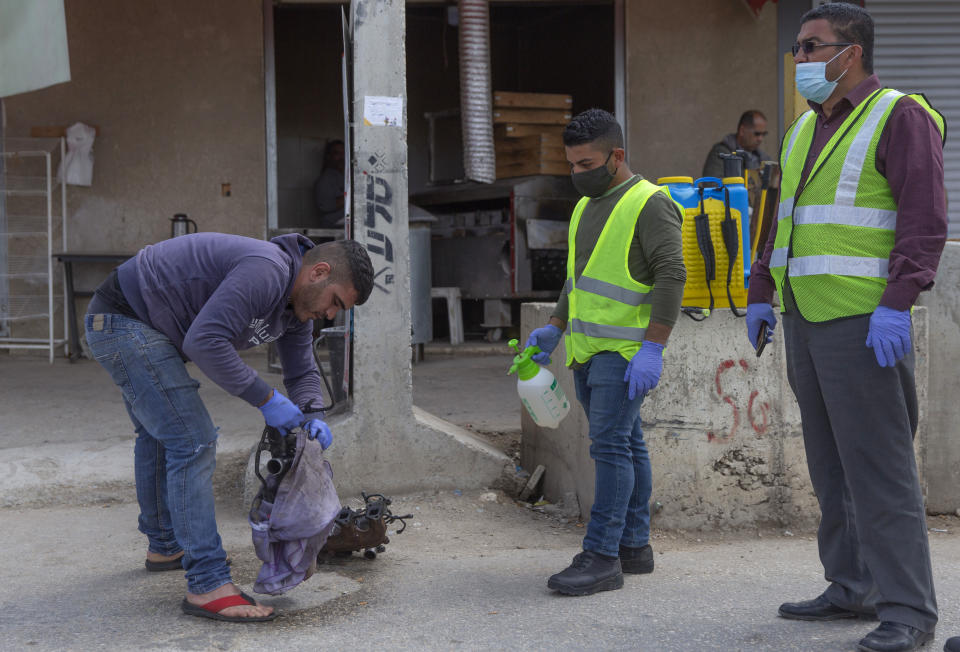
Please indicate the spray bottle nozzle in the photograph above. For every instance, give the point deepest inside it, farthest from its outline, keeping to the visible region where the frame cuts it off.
(515, 345)
(522, 363)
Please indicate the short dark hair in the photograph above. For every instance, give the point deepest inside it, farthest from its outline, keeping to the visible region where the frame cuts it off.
(851, 23)
(594, 125)
(349, 261)
(748, 117)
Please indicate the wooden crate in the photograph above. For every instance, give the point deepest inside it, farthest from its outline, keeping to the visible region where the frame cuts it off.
(503, 134)
(531, 116)
(532, 100)
(531, 166)
(545, 155)
(536, 154)
(515, 130)
(528, 133)
(530, 147)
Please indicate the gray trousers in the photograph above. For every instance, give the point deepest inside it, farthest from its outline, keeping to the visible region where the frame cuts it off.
(859, 420)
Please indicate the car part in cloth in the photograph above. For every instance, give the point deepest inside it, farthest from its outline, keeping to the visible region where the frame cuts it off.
(293, 513)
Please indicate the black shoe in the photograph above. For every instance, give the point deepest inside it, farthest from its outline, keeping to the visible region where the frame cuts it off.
(636, 560)
(590, 572)
(894, 637)
(952, 644)
(817, 609)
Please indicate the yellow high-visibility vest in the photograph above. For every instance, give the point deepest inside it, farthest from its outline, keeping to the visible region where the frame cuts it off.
(834, 239)
(608, 309)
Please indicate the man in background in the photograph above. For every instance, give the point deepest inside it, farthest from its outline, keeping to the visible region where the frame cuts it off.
(329, 187)
(751, 130)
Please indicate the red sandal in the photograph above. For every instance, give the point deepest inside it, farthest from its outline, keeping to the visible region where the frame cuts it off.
(213, 608)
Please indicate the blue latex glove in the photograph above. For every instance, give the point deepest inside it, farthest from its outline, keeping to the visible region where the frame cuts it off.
(317, 429)
(280, 413)
(889, 335)
(757, 313)
(546, 337)
(644, 369)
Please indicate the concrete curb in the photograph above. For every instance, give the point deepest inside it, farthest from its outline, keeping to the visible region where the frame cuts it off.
(466, 349)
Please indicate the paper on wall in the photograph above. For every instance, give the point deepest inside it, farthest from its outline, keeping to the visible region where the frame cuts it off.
(382, 111)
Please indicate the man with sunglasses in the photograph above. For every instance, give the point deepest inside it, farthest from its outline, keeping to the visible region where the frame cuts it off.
(751, 130)
(859, 233)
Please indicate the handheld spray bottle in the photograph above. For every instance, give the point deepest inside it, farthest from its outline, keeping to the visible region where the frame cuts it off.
(539, 390)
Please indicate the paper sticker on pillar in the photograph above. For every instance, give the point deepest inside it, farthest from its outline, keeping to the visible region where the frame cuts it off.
(382, 111)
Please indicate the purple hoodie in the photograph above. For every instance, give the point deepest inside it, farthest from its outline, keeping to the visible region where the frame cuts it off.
(213, 294)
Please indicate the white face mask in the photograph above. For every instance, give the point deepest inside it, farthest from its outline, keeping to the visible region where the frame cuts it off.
(812, 80)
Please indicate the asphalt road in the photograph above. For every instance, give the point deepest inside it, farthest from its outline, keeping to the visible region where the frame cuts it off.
(467, 574)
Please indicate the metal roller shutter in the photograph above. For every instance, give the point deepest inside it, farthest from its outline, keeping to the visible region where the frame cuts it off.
(917, 49)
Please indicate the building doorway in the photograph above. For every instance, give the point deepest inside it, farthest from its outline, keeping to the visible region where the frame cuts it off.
(309, 109)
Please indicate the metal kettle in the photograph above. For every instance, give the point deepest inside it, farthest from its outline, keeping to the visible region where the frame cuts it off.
(180, 225)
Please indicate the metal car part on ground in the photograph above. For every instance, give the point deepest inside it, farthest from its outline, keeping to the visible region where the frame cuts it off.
(363, 529)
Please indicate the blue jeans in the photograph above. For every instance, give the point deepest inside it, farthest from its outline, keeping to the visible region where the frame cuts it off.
(621, 505)
(175, 451)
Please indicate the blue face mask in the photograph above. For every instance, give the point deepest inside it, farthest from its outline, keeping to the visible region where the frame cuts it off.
(812, 80)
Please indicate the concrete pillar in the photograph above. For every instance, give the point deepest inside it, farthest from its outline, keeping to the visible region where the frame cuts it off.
(380, 220)
(384, 443)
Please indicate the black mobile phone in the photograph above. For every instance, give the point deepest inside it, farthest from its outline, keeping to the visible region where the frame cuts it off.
(762, 338)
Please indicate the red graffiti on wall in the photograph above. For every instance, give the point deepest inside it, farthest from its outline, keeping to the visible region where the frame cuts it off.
(757, 422)
(759, 428)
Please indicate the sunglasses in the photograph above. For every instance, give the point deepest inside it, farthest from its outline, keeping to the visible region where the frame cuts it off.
(809, 46)
(758, 134)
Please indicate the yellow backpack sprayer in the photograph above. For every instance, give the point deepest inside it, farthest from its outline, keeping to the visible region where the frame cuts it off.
(715, 212)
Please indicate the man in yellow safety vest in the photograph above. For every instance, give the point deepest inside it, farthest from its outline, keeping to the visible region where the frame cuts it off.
(625, 278)
(859, 232)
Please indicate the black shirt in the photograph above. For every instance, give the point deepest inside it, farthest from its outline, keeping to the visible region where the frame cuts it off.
(108, 299)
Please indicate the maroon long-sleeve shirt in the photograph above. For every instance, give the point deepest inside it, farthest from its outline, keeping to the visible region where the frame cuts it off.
(910, 157)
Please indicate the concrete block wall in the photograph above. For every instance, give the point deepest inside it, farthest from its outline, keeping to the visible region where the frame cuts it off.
(722, 428)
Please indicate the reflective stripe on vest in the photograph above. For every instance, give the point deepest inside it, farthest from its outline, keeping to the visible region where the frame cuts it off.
(608, 309)
(603, 330)
(834, 238)
(839, 266)
(874, 218)
(611, 291)
(778, 257)
(786, 204)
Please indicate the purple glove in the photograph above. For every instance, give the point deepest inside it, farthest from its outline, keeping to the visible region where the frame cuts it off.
(757, 314)
(643, 371)
(546, 337)
(280, 413)
(317, 429)
(889, 335)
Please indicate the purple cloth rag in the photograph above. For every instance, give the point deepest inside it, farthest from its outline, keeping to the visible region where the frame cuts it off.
(289, 532)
